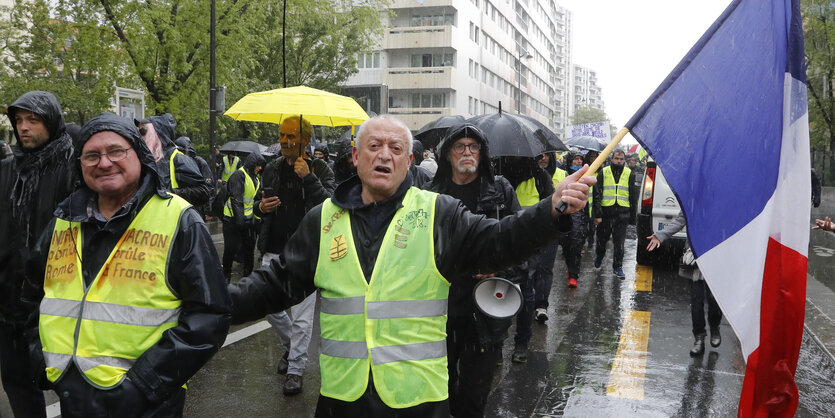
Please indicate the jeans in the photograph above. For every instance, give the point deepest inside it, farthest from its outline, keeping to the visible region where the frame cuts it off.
(25, 397)
(294, 330)
(524, 318)
(698, 291)
(471, 369)
(543, 273)
(616, 227)
(238, 239)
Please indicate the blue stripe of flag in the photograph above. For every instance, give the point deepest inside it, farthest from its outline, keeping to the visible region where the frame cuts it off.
(714, 126)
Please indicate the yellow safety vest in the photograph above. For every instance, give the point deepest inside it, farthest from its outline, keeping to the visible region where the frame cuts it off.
(526, 193)
(393, 325)
(250, 188)
(105, 327)
(616, 192)
(559, 176)
(171, 172)
(229, 167)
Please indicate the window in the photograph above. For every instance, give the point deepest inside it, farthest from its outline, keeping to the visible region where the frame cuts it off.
(474, 32)
(428, 100)
(368, 60)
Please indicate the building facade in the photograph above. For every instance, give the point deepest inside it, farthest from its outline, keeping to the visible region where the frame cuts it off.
(468, 57)
(584, 90)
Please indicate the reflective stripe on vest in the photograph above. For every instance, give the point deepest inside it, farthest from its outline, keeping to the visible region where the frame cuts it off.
(393, 325)
(250, 188)
(229, 167)
(526, 193)
(171, 172)
(615, 192)
(105, 327)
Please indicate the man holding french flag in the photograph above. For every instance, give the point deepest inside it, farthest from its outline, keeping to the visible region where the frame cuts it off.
(741, 90)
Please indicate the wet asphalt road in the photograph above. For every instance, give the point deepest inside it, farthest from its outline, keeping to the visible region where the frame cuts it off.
(610, 348)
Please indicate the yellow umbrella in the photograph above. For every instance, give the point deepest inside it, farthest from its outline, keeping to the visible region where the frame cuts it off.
(319, 107)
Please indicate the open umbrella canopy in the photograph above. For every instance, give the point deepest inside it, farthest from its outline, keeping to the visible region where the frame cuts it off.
(590, 143)
(243, 146)
(433, 132)
(517, 135)
(317, 106)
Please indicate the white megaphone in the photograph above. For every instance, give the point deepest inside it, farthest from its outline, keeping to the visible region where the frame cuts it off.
(497, 297)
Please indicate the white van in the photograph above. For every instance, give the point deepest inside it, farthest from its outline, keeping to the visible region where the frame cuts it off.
(659, 207)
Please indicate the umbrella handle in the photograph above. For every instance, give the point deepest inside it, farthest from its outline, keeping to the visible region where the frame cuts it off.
(562, 206)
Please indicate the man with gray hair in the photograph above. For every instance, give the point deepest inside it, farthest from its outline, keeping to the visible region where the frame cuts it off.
(380, 252)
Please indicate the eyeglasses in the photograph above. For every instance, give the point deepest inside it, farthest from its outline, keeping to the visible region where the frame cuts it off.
(459, 147)
(91, 159)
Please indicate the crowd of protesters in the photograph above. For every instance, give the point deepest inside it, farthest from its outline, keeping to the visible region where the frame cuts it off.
(110, 205)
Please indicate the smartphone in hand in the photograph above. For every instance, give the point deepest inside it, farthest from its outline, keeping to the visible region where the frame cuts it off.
(268, 191)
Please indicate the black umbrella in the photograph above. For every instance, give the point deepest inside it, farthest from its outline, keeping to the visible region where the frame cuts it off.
(433, 132)
(517, 135)
(586, 142)
(243, 146)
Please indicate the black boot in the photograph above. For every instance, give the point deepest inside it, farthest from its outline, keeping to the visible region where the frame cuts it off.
(715, 337)
(698, 346)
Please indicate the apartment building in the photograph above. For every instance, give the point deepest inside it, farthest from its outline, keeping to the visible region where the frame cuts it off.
(585, 91)
(468, 57)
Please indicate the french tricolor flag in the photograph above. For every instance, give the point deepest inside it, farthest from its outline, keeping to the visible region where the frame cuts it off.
(730, 130)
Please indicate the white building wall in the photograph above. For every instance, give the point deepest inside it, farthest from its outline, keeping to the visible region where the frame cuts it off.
(502, 37)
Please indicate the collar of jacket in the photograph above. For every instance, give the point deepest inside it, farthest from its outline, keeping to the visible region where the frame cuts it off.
(77, 207)
(348, 195)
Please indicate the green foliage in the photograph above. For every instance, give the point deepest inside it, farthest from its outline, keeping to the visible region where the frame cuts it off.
(588, 115)
(819, 34)
(63, 51)
(162, 48)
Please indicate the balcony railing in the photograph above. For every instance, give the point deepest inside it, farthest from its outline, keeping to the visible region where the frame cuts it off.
(419, 78)
(418, 37)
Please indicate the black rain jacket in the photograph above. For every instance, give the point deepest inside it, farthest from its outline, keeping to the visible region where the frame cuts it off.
(317, 186)
(464, 245)
(497, 199)
(196, 278)
(32, 183)
(192, 184)
(236, 186)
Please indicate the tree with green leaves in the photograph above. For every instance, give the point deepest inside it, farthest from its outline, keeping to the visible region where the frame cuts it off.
(819, 34)
(589, 114)
(318, 48)
(63, 50)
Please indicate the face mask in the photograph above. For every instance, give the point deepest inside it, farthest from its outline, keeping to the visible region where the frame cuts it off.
(576, 167)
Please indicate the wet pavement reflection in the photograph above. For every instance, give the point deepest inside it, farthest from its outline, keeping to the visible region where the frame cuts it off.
(610, 347)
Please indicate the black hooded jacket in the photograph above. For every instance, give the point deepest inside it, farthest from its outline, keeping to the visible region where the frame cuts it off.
(496, 199)
(192, 184)
(31, 185)
(184, 144)
(196, 278)
(236, 185)
(298, 197)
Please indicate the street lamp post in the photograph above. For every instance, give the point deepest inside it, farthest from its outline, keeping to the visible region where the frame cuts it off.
(519, 55)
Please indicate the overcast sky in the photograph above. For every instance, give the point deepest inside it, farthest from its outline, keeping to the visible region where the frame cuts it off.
(634, 44)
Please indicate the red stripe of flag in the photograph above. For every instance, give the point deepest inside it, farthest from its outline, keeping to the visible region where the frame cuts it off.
(769, 389)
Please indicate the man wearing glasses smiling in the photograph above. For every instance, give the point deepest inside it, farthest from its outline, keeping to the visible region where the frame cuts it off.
(125, 295)
(474, 340)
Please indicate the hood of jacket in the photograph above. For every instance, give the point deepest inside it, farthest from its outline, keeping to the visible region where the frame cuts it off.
(127, 130)
(185, 145)
(443, 175)
(46, 105)
(165, 126)
(252, 161)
